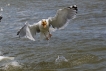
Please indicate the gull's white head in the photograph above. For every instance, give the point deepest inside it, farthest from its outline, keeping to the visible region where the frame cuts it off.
(44, 23)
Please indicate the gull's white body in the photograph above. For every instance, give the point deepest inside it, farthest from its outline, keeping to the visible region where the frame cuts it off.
(44, 31)
(58, 21)
(29, 31)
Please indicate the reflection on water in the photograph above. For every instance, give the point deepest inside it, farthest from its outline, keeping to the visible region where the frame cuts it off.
(82, 42)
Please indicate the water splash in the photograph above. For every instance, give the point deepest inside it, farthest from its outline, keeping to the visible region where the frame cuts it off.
(1, 9)
(11, 66)
(6, 58)
(8, 4)
(14, 64)
(60, 59)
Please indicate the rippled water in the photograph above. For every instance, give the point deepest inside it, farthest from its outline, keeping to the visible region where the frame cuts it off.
(82, 42)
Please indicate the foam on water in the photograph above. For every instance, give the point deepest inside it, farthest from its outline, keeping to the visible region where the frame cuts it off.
(8, 63)
(10, 66)
(61, 59)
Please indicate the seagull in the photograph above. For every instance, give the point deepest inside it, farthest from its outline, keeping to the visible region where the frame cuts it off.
(46, 26)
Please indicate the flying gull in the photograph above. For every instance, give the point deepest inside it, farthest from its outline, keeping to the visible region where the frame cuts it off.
(44, 26)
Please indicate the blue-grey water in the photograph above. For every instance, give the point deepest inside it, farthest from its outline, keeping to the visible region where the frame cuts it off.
(82, 42)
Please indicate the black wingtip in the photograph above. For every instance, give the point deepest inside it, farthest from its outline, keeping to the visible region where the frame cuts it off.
(18, 32)
(75, 7)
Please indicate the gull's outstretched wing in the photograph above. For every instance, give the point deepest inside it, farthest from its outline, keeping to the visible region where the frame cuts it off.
(62, 16)
(29, 31)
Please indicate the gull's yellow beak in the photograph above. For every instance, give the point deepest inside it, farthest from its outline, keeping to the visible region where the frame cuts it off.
(44, 23)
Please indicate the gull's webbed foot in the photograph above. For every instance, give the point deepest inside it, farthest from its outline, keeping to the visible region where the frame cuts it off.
(50, 35)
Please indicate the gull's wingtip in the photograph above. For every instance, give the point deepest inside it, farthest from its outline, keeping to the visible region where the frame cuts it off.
(74, 7)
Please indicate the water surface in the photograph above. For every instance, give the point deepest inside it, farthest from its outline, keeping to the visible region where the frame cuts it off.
(82, 42)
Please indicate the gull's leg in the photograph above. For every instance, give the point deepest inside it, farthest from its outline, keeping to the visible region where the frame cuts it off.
(49, 35)
(47, 38)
